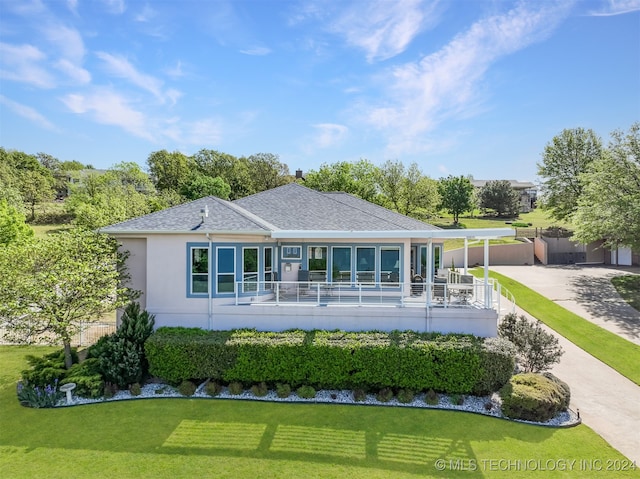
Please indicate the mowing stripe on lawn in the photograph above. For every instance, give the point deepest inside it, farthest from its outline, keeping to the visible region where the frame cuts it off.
(611, 349)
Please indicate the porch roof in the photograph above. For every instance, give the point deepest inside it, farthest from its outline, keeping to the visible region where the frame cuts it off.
(476, 234)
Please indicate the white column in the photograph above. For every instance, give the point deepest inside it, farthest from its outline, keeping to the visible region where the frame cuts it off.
(429, 275)
(466, 254)
(487, 291)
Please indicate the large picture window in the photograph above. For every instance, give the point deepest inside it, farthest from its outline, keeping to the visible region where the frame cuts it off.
(249, 269)
(226, 271)
(317, 263)
(199, 282)
(390, 265)
(365, 265)
(341, 264)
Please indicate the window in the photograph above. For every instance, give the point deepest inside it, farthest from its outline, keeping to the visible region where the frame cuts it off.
(317, 263)
(365, 265)
(199, 271)
(268, 267)
(390, 265)
(291, 252)
(249, 269)
(341, 264)
(436, 259)
(225, 280)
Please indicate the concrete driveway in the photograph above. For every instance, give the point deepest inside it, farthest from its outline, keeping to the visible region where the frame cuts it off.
(608, 402)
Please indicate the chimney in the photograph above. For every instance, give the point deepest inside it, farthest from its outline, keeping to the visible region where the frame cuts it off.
(299, 174)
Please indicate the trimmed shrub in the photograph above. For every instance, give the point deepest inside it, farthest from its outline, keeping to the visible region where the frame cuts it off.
(359, 395)
(405, 396)
(451, 363)
(135, 389)
(384, 395)
(283, 390)
(534, 397)
(456, 399)
(236, 388)
(213, 388)
(260, 390)
(431, 397)
(187, 388)
(86, 375)
(48, 369)
(306, 392)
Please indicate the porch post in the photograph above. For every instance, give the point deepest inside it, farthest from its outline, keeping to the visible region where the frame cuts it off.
(466, 254)
(487, 292)
(429, 275)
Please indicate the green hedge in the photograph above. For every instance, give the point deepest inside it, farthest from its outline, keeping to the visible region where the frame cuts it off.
(450, 363)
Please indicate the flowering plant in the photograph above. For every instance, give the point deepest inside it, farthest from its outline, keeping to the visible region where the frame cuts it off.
(36, 396)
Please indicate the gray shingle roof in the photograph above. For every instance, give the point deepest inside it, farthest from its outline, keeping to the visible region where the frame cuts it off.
(295, 207)
(223, 216)
(288, 207)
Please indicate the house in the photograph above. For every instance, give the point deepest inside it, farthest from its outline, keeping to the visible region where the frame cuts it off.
(292, 257)
(528, 192)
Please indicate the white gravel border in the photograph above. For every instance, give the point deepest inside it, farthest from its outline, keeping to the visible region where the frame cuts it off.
(474, 404)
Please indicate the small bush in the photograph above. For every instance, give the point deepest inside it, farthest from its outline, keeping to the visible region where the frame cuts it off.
(534, 397)
(405, 396)
(537, 350)
(110, 390)
(283, 390)
(431, 397)
(456, 399)
(135, 389)
(260, 390)
(86, 376)
(384, 395)
(213, 388)
(47, 369)
(161, 390)
(236, 388)
(187, 388)
(359, 395)
(306, 392)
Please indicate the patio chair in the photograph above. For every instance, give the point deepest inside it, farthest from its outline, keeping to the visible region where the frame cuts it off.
(417, 285)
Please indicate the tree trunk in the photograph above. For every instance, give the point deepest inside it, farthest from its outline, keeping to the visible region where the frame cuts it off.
(68, 360)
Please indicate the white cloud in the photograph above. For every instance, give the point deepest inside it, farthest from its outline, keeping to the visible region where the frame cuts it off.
(175, 72)
(384, 29)
(116, 7)
(329, 134)
(110, 108)
(67, 40)
(257, 51)
(617, 7)
(22, 63)
(146, 15)
(446, 84)
(122, 68)
(203, 132)
(28, 113)
(77, 74)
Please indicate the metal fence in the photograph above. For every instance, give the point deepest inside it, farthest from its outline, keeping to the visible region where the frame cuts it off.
(89, 335)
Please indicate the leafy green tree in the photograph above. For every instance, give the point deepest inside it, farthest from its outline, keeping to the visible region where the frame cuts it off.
(54, 286)
(170, 171)
(392, 175)
(500, 197)
(565, 158)
(267, 172)
(408, 191)
(201, 185)
(130, 174)
(609, 206)
(235, 172)
(72, 165)
(12, 225)
(37, 186)
(456, 195)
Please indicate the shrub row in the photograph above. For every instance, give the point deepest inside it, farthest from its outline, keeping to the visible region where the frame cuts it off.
(451, 363)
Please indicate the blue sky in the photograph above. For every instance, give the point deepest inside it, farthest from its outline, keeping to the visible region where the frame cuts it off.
(460, 87)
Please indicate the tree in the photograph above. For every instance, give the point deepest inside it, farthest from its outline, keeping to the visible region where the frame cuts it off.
(501, 198)
(170, 171)
(565, 158)
(54, 286)
(12, 225)
(202, 185)
(232, 170)
(536, 349)
(36, 186)
(456, 195)
(609, 206)
(267, 172)
(392, 175)
(420, 197)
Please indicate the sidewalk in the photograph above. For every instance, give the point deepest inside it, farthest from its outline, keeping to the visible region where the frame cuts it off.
(608, 402)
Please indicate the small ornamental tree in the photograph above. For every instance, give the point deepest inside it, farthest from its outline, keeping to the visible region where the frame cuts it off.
(52, 287)
(500, 197)
(456, 195)
(536, 349)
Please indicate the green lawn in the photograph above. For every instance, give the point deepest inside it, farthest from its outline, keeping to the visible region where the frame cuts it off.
(628, 286)
(611, 349)
(224, 438)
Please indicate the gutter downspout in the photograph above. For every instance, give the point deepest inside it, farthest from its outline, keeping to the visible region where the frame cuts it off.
(210, 296)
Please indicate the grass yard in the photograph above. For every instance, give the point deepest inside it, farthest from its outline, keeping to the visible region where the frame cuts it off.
(628, 286)
(611, 349)
(222, 438)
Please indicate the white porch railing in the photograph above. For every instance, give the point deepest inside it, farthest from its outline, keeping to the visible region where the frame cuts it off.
(444, 295)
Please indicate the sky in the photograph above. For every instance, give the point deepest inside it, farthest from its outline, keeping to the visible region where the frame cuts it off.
(460, 87)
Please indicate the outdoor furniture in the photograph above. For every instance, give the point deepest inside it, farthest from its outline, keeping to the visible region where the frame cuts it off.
(417, 285)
